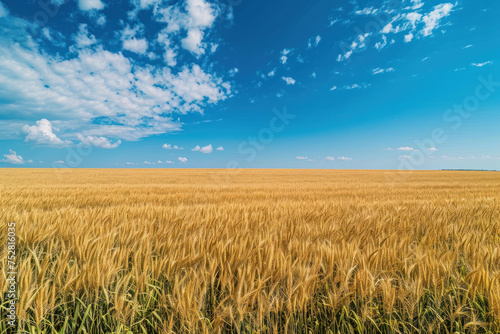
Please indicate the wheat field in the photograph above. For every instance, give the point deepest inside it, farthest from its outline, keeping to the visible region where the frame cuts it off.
(252, 251)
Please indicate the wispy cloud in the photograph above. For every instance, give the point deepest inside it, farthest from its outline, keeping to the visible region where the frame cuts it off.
(313, 41)
(379, 70)
(357, 86)
(366, 11)
(432, 19)
(482, 64)
(481, 157)
(182, 159)
(410, 20)
(359, 43)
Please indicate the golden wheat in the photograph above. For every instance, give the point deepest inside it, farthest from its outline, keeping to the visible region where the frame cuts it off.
(253, 251)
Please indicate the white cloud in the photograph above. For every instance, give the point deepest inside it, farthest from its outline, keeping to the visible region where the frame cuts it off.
(139, 46)
(98, 91)
(389, 28)
(406, 148)
(482, 157)
(13, 158)
(220, 148)
(181, 159)
(482, 64)
(317, 39)
(193, 42)
(388, 149)
(101, 142)
(170, 162)
(190, 22)
(271, 73)
(53, 36)
(330, 158)
(432, 149)
(313, 41)
(170, 53)
(366, 11)
(359, 43)
(404, 157)
(344, 158)
(101, 20)
(99, 84)
(357, 86)
(333, 88)
(204, 149)
(302, 158)
(417, 4)
(83, 39)
(381, 45)
(409, 37)
(413, 17)
(468, 46)
(201, 13)
(233, 72)
(432, 19)
(288, 80)
(284, 54)
(3, 10)
(90, 4)
(379, 70)
(409, 20)
(42, 134)
(170, 147)
(60, 162)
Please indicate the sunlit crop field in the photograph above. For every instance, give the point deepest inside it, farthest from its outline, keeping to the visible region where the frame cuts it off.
(252, 251)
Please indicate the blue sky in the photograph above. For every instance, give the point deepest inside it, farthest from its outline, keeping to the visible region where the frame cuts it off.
(411, 84)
